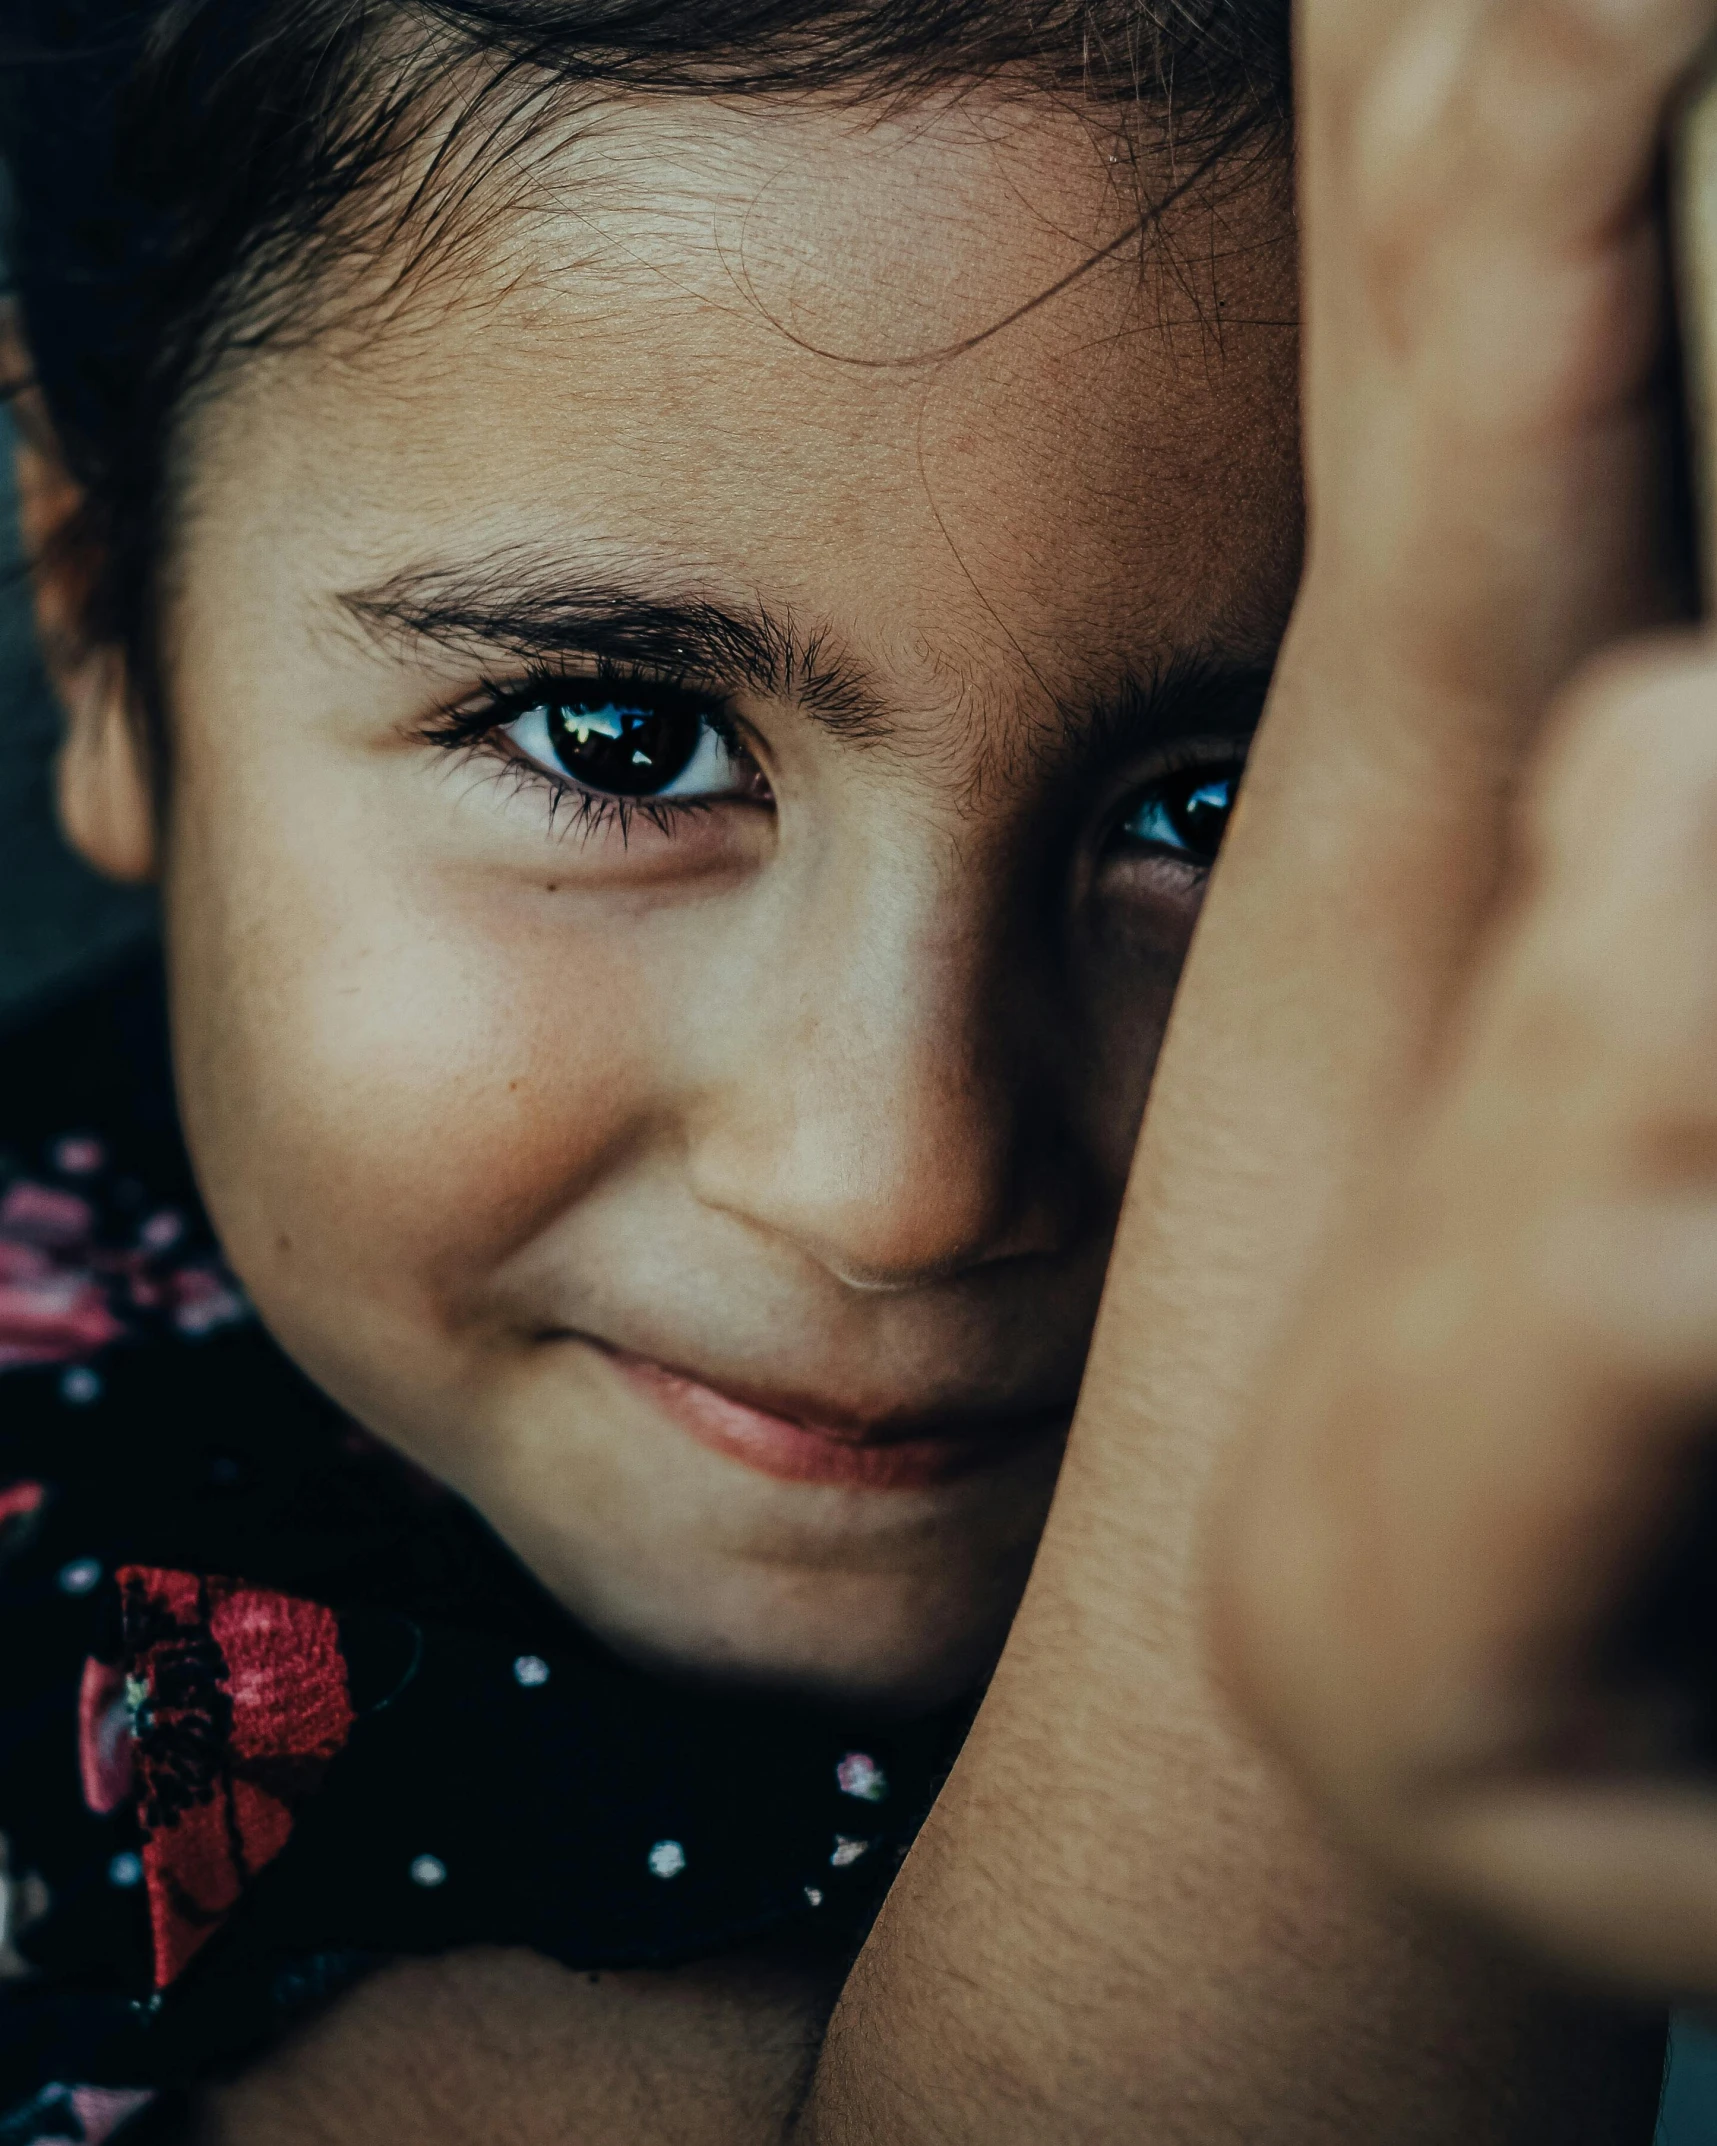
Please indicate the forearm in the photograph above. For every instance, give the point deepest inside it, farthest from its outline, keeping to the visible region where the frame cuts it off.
(1118, 1927)
(503, 2048)
(1119, 1924)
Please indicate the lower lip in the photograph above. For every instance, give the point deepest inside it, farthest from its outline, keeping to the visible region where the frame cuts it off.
(807, 1452)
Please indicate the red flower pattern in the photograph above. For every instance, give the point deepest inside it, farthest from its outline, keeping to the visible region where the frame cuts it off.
(239, 1703)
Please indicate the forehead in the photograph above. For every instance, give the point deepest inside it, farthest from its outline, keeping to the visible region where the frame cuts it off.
(938, 382)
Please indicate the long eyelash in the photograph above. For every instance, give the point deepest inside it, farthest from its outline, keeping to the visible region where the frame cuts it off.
(571, 807)
(469, 730)
(1221, 755)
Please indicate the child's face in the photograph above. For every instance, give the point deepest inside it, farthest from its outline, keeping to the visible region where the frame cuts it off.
(821, 1097)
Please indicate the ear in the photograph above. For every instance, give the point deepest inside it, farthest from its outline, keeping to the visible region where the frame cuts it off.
(106, 802)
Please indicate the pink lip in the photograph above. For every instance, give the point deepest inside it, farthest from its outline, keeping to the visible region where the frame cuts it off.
(795, 1452)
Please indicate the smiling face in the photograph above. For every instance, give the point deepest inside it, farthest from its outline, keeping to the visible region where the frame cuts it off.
(715, 1185)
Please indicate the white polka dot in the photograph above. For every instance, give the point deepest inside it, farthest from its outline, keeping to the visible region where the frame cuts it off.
(428, 1870)
(859, 1775)
(80, 1386)
(667, 1859)
(848, 1850)
(813, 1896)
(531, 1670)
(80, 1575)
(125, 1871)
(77, 1158)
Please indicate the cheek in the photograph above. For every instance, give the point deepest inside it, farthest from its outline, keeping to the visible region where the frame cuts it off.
(1130, 966)
(392, 1073)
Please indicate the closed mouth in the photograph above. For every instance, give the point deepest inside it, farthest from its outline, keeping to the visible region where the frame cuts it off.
(895, 1454)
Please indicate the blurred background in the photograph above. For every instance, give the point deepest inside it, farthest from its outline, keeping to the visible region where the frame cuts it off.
(59, 923)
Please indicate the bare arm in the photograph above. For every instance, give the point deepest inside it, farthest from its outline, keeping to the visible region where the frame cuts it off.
(1119, 1925)
(495, 2048)
(1496, 1430)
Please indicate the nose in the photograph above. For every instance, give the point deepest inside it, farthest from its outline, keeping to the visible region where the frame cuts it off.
(891, 1109)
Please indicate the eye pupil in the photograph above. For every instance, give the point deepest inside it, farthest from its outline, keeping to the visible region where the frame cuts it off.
(1186, 815)
(625, 749)
(1199, 813)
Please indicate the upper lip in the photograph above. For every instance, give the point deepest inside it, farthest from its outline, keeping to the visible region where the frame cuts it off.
(896, 1425)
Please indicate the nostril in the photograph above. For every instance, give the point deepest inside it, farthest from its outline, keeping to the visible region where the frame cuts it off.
(923, 1265)
(888, 1230)
(901, 1146)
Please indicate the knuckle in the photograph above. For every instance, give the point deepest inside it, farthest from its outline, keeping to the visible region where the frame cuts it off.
(1628, 762)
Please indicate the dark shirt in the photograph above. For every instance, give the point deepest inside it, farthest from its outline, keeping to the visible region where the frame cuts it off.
(274, 1706)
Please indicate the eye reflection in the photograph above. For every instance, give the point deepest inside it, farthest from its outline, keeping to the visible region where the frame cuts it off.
(1185, 814)
(663, 746)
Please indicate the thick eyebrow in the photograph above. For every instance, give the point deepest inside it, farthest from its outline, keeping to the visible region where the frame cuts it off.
(1193, 693)
(528, 609)
(518, 603)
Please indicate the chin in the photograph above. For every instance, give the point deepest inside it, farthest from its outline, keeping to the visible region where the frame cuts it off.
(827, 1639)
(699, 1567)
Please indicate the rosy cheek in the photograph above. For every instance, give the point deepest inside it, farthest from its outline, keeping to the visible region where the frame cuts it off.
(392, 1081)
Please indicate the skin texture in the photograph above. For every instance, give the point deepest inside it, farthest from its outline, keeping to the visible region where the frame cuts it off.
(875, 1067)
(509, 2049)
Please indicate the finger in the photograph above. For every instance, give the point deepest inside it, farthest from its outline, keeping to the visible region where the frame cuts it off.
(1615, 1880)
(1488, 453)
(1541, 114)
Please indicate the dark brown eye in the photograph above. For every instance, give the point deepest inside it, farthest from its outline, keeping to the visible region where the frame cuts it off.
(660, 743)
(1186, 814)
(622, 747)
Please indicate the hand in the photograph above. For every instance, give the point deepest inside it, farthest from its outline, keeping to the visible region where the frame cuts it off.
(1469, 1568)
(1481, 1436)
